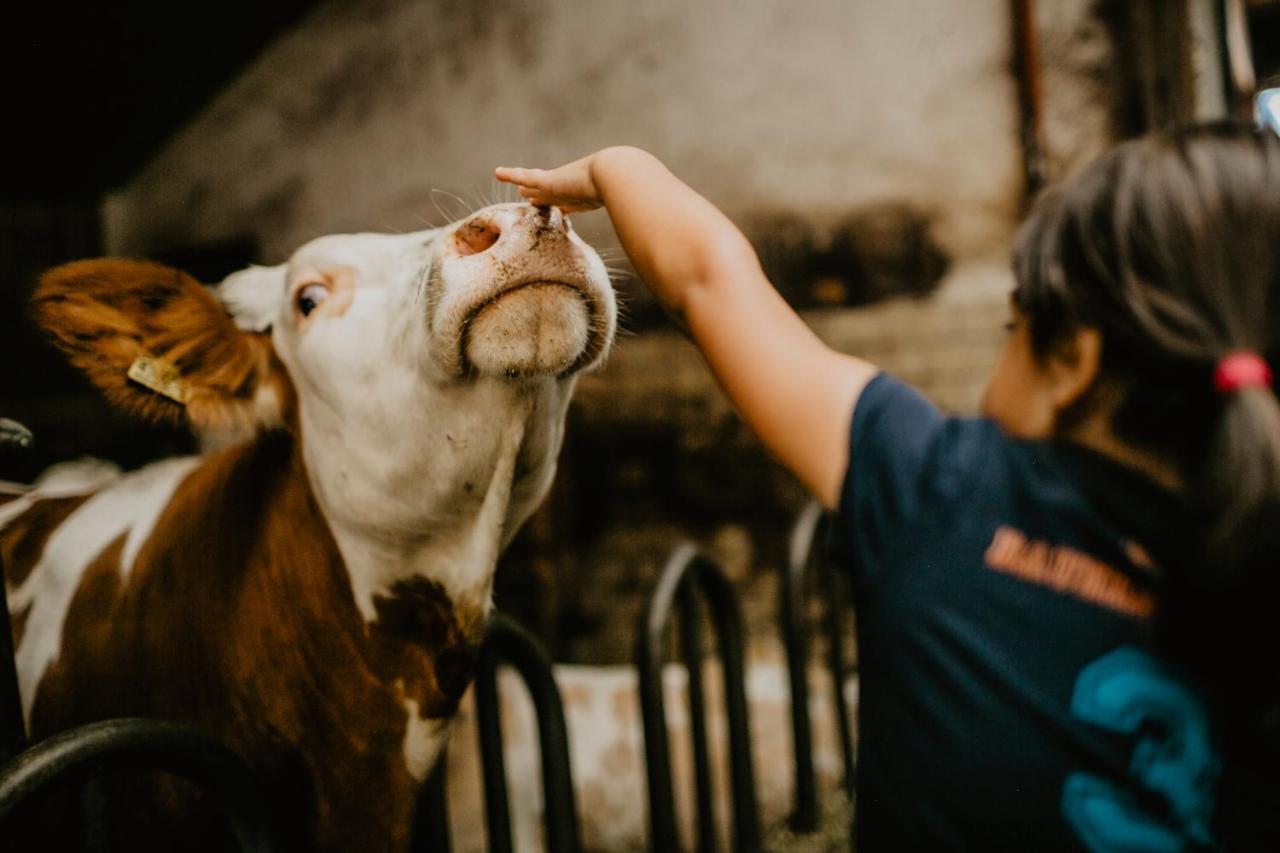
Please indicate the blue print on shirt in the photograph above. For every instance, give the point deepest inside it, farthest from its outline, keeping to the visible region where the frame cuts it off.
(1130, 692)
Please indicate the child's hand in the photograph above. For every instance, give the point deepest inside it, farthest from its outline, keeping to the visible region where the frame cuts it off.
(794, 391)
(570, 187)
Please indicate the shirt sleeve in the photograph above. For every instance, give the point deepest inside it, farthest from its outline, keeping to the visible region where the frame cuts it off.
(899, 445)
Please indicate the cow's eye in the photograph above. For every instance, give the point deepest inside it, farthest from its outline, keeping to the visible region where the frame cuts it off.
(310, 297)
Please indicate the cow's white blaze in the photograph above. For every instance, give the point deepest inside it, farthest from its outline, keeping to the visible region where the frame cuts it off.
(128, 507)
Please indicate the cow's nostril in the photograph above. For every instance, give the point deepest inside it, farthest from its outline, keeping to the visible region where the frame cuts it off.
(552, 217)
(475, 237)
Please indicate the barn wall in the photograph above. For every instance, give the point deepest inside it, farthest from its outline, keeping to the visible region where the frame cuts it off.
(891, 127)
(370, 115)
(352, 120)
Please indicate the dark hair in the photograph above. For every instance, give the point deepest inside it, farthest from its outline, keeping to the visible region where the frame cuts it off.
(1169, 245)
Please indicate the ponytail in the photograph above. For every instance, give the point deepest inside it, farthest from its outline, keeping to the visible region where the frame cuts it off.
(1170, 247)
(1220, 612)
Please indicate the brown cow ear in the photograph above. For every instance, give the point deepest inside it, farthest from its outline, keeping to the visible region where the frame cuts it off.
(160, 345)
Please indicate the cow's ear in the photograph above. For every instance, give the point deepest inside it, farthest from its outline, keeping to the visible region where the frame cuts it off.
(160, 345)
(252, 296)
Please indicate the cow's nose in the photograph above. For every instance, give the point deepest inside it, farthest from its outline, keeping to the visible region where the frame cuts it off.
(477, 235)
(551, 217)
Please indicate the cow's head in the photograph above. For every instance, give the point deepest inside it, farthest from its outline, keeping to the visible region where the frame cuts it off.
(410, 365)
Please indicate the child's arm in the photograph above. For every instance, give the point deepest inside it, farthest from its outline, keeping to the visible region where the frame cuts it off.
(796, 393)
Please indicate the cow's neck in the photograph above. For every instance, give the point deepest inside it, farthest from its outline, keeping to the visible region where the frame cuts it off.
(432, 503)
(461, 559)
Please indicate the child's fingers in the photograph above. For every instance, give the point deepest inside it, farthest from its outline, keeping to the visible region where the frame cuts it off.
(534, 196)
(565, 205)
(520, 177)
(537, 187)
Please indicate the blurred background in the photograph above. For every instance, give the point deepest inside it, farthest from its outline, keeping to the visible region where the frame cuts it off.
(879, 155)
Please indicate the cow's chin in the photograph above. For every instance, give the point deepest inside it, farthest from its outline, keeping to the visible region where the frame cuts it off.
(541, 329)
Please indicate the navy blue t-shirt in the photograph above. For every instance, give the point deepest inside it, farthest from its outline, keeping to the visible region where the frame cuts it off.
(1010, 698)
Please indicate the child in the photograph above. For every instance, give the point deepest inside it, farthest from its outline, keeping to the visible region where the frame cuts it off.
(1064, 608)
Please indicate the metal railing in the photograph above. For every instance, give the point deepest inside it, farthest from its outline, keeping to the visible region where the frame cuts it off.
(13, 733)
(83, 753)
(688, 573)
(805, 560)
(431, 832)
(506, 642)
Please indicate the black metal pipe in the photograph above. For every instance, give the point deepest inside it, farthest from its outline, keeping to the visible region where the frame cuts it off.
(795, 639)
(806, 557)
(650, 647)
(431, 812)
(839, 602)
(688, 566)
(151, 745)
(727, 618)
(14, 435)
(13, 735)
(691, 650)
(497, 809)
(13, 732)
(507, 642)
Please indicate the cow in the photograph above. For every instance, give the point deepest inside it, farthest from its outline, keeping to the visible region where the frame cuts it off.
(381, 413)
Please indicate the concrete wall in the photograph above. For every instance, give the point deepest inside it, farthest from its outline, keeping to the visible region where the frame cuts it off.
(382, 115)
(353, 119)
(375, 115)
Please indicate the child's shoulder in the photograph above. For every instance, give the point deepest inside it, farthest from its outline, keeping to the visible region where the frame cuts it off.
(895, 426)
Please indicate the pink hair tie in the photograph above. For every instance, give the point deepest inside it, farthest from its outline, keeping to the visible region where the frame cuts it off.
(1241, 369)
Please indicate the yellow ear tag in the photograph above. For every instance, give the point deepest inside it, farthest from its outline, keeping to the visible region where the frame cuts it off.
(160, 376)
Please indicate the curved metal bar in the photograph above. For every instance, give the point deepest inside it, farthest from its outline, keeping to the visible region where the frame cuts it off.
(839, 599)
(727, 619)
(507, 642)
(431, 832)
(805, 556)
(13, 734)
(151, 745)
(691, 651)
(649, 654)
(688, 566)
(15, 435)
(795, 638)
(497, 810)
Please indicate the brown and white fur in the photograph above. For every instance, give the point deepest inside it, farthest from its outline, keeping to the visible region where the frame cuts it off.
(387, 410)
